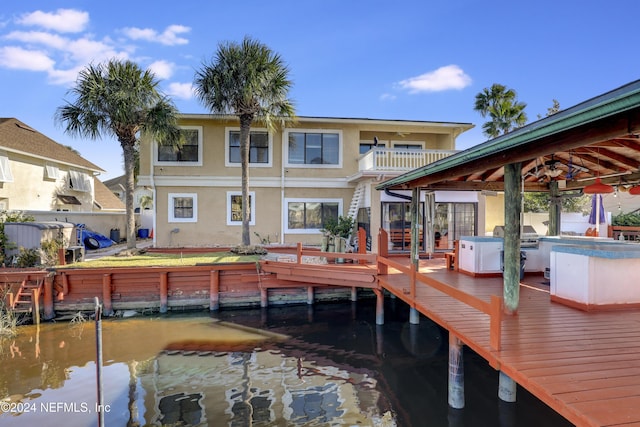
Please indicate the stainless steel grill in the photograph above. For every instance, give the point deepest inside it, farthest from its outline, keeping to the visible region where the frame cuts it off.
(529, 238)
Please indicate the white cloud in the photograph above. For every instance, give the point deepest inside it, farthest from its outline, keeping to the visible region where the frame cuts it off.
(62, 20)
(162, 69)
(181, 90)
(39, 37)
(387, 97)
(444, 78)
(168, 37)
(64, 77)
(24, 59)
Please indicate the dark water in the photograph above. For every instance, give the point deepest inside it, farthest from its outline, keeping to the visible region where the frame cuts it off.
(335, 367)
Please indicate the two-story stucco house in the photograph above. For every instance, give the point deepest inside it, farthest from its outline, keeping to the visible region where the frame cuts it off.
(38, 174)
(299, 177)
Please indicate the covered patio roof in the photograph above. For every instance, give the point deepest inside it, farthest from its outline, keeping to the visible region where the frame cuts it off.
(598, 137)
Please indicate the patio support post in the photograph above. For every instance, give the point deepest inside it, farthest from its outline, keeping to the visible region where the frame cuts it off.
(264, 297)
(354, 294)
(554, 209)
(506, 388)
(456, 372)
(512, 209)
(414, 315)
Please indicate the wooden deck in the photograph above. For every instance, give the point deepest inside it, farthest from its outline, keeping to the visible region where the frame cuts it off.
(585, 366)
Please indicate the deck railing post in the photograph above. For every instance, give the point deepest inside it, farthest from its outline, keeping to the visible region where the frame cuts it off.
(495, 323)
(106, 295)
(214, 290)
(299, 253)
(362, 243)
(164, 292)
(383, 250)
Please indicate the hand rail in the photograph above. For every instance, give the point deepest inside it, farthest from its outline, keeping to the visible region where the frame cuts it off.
(493, 309)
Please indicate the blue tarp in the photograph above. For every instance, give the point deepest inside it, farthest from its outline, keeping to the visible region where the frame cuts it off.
(103, 241)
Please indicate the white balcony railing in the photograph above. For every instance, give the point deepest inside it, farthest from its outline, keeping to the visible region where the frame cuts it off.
(391, 159)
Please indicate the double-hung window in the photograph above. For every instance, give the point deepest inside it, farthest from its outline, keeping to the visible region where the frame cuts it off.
(183, 207)
(189, 153)
(260, 148)
(309, 147)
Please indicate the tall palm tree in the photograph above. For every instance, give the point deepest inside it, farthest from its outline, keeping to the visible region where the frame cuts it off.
(500, 104)
(118, 98)
(250, 81)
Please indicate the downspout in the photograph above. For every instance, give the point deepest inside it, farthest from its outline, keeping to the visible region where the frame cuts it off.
(283, 208)
(398, 195)
(154, 229)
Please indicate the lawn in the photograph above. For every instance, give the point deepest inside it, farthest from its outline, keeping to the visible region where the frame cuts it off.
(164, 260)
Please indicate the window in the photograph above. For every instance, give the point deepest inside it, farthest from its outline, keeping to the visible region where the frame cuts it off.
(366, 146)
(314, 148)
(80, 181)
(234, 208)
(259, 148)
(189, 153)
(416, 146)
(51, 172)
(310, 215)
(5, 170)
(183, 207)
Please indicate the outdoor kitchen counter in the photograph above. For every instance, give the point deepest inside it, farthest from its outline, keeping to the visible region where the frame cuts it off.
(600, 275)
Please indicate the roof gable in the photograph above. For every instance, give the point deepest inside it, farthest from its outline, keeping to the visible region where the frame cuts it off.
(18, 137)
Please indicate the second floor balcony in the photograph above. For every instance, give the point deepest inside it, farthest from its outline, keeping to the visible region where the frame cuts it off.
(399, 160)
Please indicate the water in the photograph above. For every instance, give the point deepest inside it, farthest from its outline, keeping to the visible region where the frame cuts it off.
(328, 365)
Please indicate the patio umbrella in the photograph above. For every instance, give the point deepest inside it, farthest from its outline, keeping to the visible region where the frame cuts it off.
(597, 207)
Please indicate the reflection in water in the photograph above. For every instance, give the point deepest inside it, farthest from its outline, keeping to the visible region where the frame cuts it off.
(325, 366)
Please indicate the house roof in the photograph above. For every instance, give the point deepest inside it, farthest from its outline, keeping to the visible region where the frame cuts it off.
(596, 138)
(421, 124)
(17, 137)
(104, 198)
(117, 182)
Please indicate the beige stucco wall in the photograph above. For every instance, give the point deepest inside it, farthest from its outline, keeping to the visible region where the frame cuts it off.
(30, 190)
(271, 185)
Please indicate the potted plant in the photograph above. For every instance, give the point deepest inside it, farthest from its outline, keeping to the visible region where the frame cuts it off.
(329, 235)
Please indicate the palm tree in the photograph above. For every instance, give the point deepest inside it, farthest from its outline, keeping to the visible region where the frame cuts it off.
(250, 81)
(500, 104)
(120, 99)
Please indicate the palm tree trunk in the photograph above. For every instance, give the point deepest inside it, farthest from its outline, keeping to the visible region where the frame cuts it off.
(245, 130)
(128, 150)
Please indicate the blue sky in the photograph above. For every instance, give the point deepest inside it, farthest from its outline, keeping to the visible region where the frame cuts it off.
(415, 60)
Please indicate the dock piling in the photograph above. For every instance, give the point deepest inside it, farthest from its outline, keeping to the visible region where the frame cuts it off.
(164, 293)
(507, 388)
(456, 372)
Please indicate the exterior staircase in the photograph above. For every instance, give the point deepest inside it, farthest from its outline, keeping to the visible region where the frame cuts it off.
(356, 201)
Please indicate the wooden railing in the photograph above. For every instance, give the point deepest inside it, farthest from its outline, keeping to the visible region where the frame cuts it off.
(630, 234)
(493, 309)
(392, 159)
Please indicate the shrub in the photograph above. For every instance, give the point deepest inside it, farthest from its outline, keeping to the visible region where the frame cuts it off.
(628, 220)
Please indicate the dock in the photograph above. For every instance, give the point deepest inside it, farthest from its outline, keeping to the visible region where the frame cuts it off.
(584, 365)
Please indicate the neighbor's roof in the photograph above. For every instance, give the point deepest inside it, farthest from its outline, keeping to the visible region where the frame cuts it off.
(104, 198)
(598, 137)
(17, 137)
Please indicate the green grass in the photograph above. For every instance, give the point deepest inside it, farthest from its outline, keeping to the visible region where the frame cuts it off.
(164, 260)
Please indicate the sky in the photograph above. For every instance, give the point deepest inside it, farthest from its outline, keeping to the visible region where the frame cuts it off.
(408, 60)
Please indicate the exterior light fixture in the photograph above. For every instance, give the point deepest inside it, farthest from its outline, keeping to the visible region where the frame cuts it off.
(599, 188)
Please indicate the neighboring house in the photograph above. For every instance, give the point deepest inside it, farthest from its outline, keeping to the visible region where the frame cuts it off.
(299, 177)
(38, 174)
(116, 186)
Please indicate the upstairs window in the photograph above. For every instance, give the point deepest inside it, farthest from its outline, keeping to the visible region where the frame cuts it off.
(5, 170)
(314, 148)
(189, 153)
(79, 181)
(259, 148)
(51, 172)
